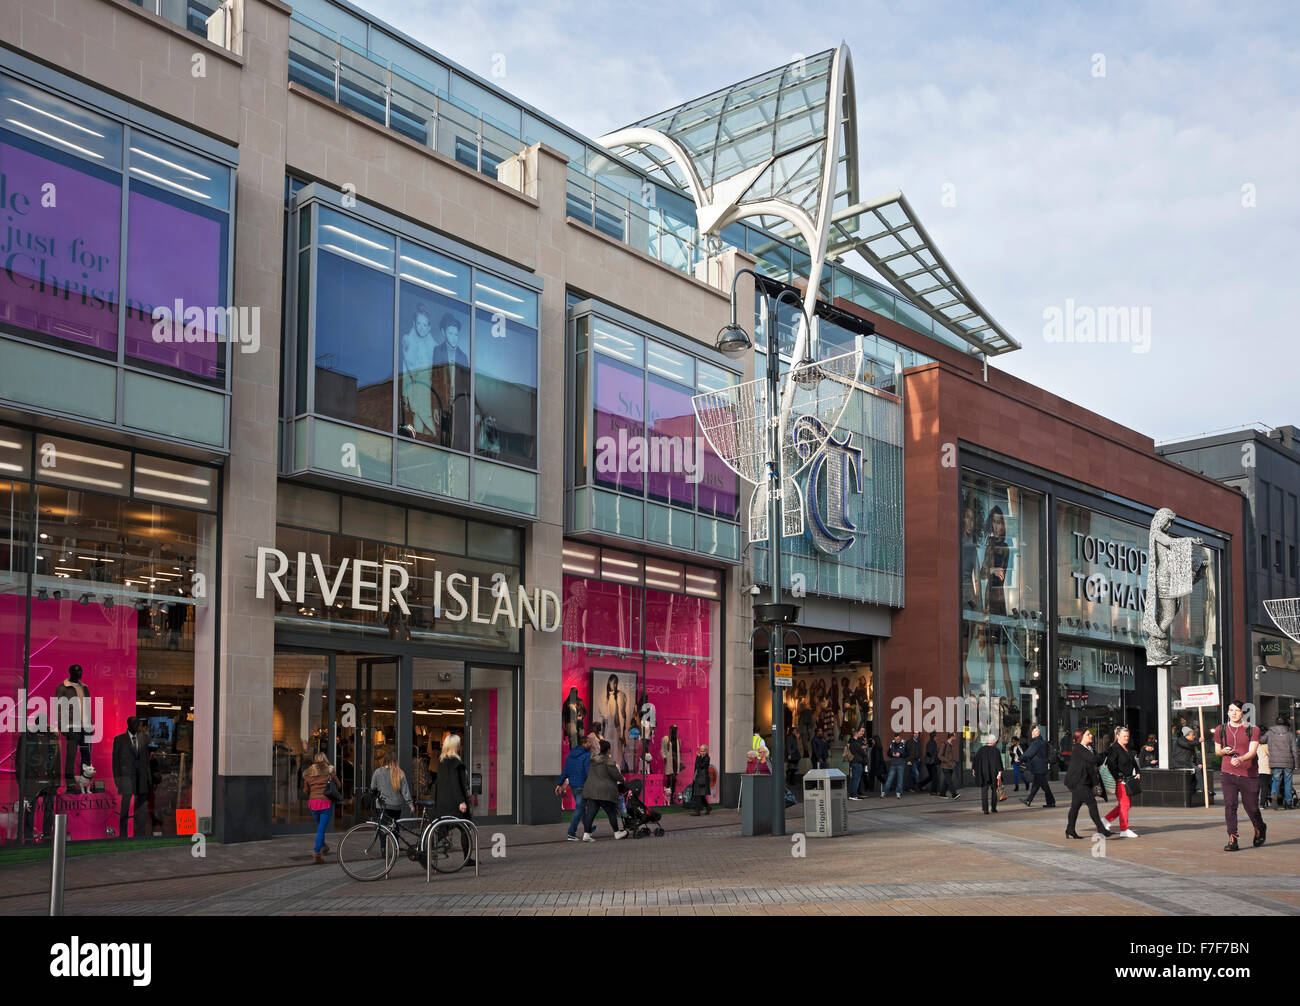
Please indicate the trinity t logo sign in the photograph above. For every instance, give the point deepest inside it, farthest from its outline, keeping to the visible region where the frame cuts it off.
(839, 465)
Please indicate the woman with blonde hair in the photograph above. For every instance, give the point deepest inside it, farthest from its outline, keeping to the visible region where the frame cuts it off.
(451, 795)
(315, 778)
(390, 781)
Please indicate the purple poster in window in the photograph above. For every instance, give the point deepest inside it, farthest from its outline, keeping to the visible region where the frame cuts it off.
(671, 462)
(718, 493)
(175, 260)
(60, 250)
(620, 430)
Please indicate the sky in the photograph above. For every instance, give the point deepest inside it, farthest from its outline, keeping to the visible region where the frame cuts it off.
(1066, 158)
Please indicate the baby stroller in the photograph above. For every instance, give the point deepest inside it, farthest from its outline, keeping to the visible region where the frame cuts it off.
(639, 819)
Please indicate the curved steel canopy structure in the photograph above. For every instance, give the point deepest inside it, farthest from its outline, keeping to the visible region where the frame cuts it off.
(783, 147)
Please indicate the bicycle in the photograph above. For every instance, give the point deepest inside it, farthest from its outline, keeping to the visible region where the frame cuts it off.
(369, 850)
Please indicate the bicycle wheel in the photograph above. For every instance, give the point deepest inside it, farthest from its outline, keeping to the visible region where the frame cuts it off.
(444, 846)
(368, 851)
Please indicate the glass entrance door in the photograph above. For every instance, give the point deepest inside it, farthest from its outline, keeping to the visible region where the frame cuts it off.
(491, 739)
(300, 725)
(365, 723)
(439, 708)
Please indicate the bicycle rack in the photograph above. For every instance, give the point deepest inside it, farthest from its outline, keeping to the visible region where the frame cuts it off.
(462, 822)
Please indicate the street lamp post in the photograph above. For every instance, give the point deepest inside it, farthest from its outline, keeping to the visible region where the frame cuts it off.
(774, 615)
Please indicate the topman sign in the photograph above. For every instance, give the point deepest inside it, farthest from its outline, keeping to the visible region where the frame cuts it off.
(381, 586)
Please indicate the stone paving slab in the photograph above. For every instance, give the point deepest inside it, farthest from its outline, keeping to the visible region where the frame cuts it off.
(914, 857)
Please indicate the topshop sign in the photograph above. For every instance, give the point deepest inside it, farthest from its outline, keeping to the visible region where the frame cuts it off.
(366, 585)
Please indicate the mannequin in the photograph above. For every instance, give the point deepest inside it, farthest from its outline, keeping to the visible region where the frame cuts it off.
(648, 714)
(419, 345)
(574, 717)
(132, 775)
(39, 751)
(450, 383)
(671, 750)
(75, 724)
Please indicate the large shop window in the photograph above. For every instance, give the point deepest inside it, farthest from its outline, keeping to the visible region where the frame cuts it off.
(641, 659)
(108, 568)
(1101, 571)
(437, 357)
(1002, 679)
(62, 172)
(638, 446)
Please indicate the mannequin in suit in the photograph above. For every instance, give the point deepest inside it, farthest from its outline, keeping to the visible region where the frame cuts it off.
(131, 773)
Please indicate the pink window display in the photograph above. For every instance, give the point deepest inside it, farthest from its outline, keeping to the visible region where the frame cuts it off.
(639, 662)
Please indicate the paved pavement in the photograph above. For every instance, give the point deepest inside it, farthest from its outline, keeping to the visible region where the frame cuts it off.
(915, 856)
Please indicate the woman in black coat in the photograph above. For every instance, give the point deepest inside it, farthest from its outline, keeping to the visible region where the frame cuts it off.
(700, 782)
(452, 794)
(1081, 779)
(875, 765)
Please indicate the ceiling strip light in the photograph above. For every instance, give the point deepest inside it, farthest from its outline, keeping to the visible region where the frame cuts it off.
(170, 184)
(57, 118)
(50, 136)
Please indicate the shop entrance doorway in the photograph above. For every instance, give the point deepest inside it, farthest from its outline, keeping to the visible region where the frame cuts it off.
(365, 724)
(359, 707)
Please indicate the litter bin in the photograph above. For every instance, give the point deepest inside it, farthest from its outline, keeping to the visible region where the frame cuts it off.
(825, 803)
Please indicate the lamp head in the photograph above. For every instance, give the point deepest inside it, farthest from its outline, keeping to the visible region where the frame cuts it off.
(733, 340)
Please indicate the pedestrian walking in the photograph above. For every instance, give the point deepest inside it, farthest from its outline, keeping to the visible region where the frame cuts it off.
(700, 782)
(391, 782)
(913, 763)
(574, 773)
(1083, 779)
(452, 794)
(792, 756)
(897, 757)
(1123, 766)
(1017, 764)
(858, 755)
(877, 770)
(987, 766)
(601, 792)
(1265, 774)
(316, 781)
(932, 762)
(1283, 756)
(1037, 763)
(948, 765)
(1237, 742)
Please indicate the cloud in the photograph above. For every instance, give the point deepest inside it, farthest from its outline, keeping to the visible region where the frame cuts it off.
(1117, 190)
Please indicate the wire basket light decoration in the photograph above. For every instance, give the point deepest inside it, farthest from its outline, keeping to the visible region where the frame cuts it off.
(1285, 613)
(736, 420)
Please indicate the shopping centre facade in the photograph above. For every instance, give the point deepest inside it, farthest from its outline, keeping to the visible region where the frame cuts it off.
(438, 470)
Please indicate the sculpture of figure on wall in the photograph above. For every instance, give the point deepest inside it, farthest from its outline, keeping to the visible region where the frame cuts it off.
(1173, 566)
